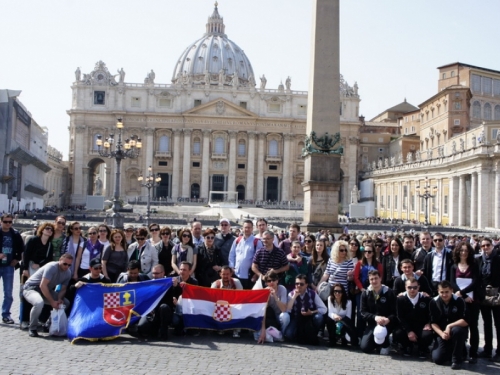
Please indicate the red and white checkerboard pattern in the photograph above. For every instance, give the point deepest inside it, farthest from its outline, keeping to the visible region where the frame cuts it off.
(111, 300)
(222, 312)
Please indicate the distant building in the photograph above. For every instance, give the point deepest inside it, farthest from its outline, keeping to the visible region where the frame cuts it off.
(56, 180)
(23, 156)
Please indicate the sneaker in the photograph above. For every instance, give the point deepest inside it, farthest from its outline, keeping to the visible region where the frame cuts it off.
(8, 320)
(456, 366)
(384, 351)
(472, 360)
(24, 326)
(236, 334)
(33, 333)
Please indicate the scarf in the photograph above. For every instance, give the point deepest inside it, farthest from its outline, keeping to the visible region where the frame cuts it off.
(486, 269)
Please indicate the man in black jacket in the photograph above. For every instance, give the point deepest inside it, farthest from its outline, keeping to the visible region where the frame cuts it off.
(448, 321)
(378, 308)
(413, 315)
(133, 273)
(407, 268)
(224, 240)
(418, 256)
(11, 249)
(437, 263)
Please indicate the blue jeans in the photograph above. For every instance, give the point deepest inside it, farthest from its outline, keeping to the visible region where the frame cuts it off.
(7, 274)
(290, 332)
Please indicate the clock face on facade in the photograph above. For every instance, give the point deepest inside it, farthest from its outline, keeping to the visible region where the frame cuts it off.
(99, 76)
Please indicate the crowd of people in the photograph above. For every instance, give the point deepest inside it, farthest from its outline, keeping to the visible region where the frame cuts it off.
(424, 290)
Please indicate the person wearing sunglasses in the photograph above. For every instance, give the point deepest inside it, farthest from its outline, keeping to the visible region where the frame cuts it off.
(92, 249)
(144, 252)
(58, 238)
(94, 275)
(129, 231)
(38, 249)
(224, 239)
(414, 316)
(11, 250)
(184, 251)
(306, 313)
(209, 260)
(418, 256)
(104, 233)
(338, 319)
(154, 230)
(164, 249)
(39, 289)
(73, 243)
(437, 263)
(340, 268)
(307, 249)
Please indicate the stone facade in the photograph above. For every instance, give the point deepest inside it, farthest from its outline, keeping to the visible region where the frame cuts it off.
(202, 132)
(56, 179)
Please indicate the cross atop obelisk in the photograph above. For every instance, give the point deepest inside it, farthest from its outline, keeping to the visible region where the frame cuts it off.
(323, 148)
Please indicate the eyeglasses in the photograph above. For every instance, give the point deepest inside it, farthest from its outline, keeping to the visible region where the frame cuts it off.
(378, 245)
(156, 273)
(486, 245)
(186, 235)
(224, 225)
(368, 252)
(209, 237)
(154, 229)
(7, 222)
(438, 240)
(76, 228)
(97, 268)
(48, 228)
(66, 264)
(273, 280)
(412, 287)
(61, 222)
(128, 230)
(103, 231)
(343, 250)
(336, 291)
(140, 238)
(165, 234)
(353, 244)
(92, 233)
(300, 284)
(308, 241)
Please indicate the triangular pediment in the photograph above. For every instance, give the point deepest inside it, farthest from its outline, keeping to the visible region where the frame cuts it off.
(220, 108)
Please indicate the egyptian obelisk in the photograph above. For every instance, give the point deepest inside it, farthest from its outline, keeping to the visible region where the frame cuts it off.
(322, 149)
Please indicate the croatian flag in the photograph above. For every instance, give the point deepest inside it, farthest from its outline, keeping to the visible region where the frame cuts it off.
(221, 309)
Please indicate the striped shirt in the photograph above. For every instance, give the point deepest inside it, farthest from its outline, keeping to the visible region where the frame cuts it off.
(338, 272)
(265, 259)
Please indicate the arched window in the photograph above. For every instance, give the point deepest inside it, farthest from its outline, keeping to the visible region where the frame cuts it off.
(487, 111)
(273, 148)
(219, 145)
(241, 147)
(164, 143)
(476, 110)
(497, 112)
(196, 146)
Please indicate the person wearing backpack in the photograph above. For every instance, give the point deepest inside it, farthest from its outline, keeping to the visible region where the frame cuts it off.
(242, 253)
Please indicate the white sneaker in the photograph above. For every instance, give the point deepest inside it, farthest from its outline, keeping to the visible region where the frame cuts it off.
(384, 351)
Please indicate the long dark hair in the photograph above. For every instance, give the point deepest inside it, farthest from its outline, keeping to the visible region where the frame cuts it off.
(470, 253)
(374, 257)
(324, 254)
(359, 253)
(343, 301)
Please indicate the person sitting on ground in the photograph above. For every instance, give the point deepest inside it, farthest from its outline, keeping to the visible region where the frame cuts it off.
(133, 274)
(413, 313)
(175, 292)
(448, 321)
(338, 320)
(94, 276)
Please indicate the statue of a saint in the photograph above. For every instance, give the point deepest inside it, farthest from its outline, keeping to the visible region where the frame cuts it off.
(207, 77)
(356, 88)
(251, 81)
(97, 186)
(235, 80)
(121, 72)
(355, 196)
(263, 82)
(288, 83)
(78, 74)
(222, 77)
(151, 77)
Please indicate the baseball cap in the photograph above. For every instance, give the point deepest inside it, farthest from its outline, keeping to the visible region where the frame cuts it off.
(95, 262)
(224, 221)
(379, 334)
(129, 226)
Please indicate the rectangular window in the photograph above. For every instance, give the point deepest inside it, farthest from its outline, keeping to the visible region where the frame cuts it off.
(406, 130)
(135, 102)
(196, 164)
(99, 97)
(496, 87)
(413, 129)
(273, 167)
(241, 149)
(445, 205)
(405, 197)
(163, 163)
(456, 122)
(241, 166)
(486, 85)
(243, 105)
(381, 201)
(396, 202)
(196, 148)
(388, 202)
(444, 76)
(476, 83)
(274, 107)
(458, 105)
(164, 102)
(412, 202)
(302, 109)
(197, 102)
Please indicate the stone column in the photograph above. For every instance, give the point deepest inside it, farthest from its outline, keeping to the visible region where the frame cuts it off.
(79, 193)
(287, 181)
(205, 163)
(473, 200)
(484, 200)
(452, 203)
(250, 166)
(400, 200)
(148, 156)
(260, 167)
(176, 163)
(107, 171)
(462, 196)
(85, 176)
(351, 171)
(186, 164)
(231, 184)
(496, 206)
(322, 169)
(439, 201)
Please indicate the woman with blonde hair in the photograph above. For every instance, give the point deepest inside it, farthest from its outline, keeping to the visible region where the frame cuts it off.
(340, 267)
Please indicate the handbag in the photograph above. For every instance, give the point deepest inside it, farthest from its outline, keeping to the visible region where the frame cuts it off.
(324, 290)
(492, 297)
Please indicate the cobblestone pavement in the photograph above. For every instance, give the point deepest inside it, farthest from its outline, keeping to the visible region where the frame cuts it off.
(206, 354)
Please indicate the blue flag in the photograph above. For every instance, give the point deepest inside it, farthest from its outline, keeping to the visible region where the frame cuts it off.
(101, 311)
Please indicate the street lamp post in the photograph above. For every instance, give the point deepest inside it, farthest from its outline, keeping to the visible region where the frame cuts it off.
(130, 148)
(151, 181)
(427, 194)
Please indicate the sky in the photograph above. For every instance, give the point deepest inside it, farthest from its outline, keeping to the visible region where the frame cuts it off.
(391, 48)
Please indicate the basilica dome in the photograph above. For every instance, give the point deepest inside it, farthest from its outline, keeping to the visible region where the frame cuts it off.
(214, 59)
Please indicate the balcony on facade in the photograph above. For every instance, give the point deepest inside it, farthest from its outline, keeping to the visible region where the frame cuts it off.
(163, 154)
(273, 158)
(222, 156)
